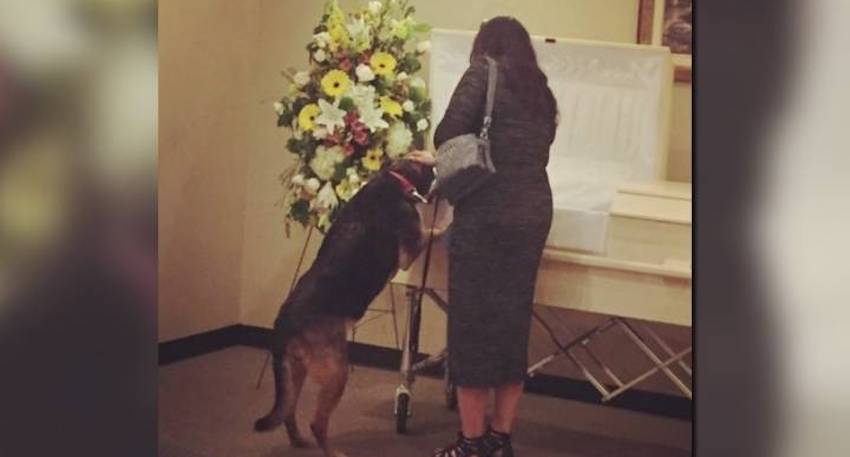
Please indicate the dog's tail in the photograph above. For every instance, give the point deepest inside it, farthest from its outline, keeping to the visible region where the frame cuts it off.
(279, 340)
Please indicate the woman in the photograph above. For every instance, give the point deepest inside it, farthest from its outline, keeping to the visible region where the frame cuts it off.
(497, 236)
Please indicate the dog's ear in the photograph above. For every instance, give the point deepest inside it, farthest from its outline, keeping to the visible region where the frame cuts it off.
(422, 176)
(427, 177)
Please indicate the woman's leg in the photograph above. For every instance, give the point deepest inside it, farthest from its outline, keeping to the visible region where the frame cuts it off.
(472, 403)
(507, 401)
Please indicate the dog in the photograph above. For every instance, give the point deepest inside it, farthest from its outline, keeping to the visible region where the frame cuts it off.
(378, 232)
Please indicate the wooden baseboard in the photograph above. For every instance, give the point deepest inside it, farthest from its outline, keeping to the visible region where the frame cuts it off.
(390, 359)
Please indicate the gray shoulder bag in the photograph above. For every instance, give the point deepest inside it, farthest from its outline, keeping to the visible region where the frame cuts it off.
(463, 162)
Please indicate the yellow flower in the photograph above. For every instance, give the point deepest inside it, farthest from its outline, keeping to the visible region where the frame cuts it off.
(390, 106)
(336, 26)
(346, 190)
(339, 37)
(335, 83)
(335, 13)
(372, 161)
(382, 63)
(307, 116)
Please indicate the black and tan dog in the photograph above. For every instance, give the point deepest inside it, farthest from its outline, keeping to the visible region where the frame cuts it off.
(376, 233)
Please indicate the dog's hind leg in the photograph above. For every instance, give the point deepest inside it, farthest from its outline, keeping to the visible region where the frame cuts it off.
(329, 395)
(297, 374)
(281, 374)
(329, 368)
(279, 349)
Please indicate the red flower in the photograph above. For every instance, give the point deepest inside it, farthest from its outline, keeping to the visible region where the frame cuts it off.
(334, 139)
(345, 64)
(348, 149)
(361, 135)
(364, 58)
(351, 118)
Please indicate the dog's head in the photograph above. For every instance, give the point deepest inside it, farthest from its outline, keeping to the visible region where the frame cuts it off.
(420, 175)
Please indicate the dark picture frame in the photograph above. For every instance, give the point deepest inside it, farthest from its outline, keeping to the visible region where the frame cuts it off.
(669, 23)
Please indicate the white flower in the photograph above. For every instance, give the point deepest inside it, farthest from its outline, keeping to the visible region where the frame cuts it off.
(320, 132)
(301, 78)
(325, 161)
(424, 46)
(331, 116)
(401, 76)
(372, 117)
(375, 7)
(364, 73)
(408, 105)
(298, 180)
(324, 222)
(278, 108)
(363, 95)
(322, 39)
(399, 139)
(327, 197)
(422, 124)
(319, 55)
(358, 30)
(312, 185)
(417, 82)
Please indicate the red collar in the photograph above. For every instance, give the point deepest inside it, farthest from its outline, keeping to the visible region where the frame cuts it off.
(408, 187)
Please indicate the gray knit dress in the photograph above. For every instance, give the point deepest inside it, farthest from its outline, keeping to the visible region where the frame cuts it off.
(497, 235)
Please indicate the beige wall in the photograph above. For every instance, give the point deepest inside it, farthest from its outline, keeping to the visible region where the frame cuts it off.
(224, 257)
(206, 81)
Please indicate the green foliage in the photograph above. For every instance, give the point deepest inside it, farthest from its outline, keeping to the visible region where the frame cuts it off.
(418, 95)
(305, 147)
(410, 63)
(300, 211)
(285, 118)
(346, 103)
(339, 172)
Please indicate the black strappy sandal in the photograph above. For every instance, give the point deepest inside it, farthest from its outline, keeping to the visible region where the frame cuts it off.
(463, 447)
(495, 444)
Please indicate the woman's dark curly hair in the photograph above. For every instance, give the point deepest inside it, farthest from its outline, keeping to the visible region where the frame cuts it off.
(505, 40)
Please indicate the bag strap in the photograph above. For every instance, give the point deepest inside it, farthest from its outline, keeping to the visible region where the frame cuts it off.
(492, 78)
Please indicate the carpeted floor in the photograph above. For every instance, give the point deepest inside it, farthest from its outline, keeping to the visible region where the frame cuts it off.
(208, 404)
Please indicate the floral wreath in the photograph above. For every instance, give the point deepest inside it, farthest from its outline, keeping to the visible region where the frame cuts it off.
(358, 105)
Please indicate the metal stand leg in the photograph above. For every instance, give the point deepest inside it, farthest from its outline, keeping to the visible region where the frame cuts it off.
(583, 341)
(409, 351)
(395, 318)
(659, 364)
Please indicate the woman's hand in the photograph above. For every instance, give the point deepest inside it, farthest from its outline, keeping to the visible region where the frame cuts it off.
(422, 156)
